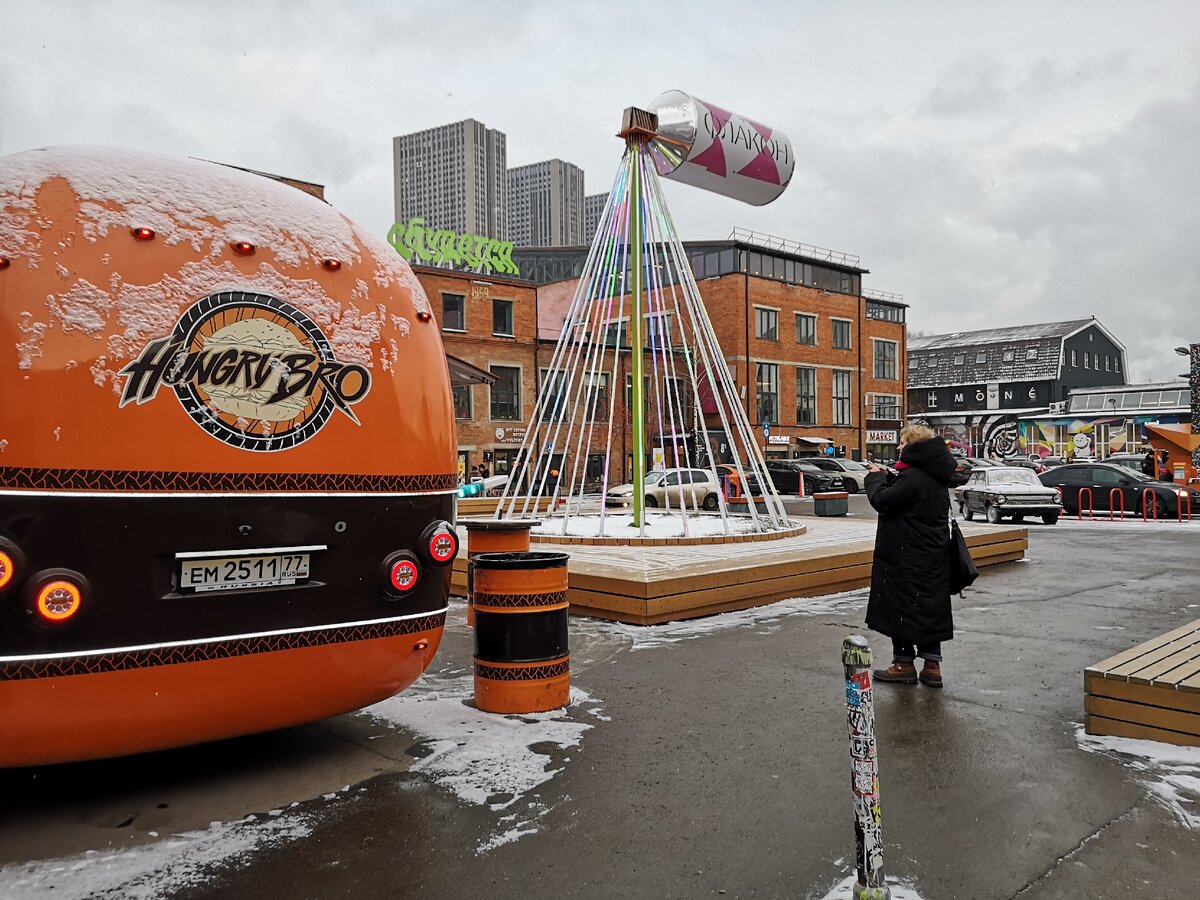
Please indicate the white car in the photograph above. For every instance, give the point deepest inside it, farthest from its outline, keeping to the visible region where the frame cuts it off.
(1008, 492)
(853, 474)
(663, 487)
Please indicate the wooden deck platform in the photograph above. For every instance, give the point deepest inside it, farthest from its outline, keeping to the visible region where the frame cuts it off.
(649, 585)
(1151, 691)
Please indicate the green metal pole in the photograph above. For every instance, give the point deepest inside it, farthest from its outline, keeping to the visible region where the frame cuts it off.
(635, 350)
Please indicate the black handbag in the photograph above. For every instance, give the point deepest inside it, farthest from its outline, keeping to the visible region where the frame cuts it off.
(963, 570)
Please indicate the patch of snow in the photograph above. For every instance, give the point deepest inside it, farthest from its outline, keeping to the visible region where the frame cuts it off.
(655, 525)
(32, 345)
(162, 868)
(483, 758)
(648, 637)
(1171, 774)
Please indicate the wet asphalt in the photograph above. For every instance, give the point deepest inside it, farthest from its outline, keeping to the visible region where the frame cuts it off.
(722, 767)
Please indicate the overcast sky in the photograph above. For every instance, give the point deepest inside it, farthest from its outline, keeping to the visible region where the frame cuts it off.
(995, 163)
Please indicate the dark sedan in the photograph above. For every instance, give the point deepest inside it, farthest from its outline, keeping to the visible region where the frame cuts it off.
(1106, 487)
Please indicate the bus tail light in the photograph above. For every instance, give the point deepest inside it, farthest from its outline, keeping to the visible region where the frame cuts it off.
(56, 596)
(440, 543)
(400, 573)
(12, 564)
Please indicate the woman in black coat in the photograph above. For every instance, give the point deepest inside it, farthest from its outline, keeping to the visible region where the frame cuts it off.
(910, 575)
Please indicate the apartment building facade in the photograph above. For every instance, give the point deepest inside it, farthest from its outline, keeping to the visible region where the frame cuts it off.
(546, 204)
(454, 177)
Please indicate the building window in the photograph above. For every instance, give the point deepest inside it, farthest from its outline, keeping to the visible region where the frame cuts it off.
(768, 392)
(1107, 363)
(1087, 360)
(841, 397)
(505, 461)
(454, 312)
(931, 399)
(462, 401)
(1009, 355)
(933, 361)
(646, 397)
(502, 318)
(887, 406)
(506, 393)
(806, 396)
(981, 356)
(841, 334)
(960, 359)
(1074, 360)
(1117, 364)
(615, 334)
(885, 360)
(1031, 353)
(658, 331)
(766, 324)
(597, 400)
(806, 329)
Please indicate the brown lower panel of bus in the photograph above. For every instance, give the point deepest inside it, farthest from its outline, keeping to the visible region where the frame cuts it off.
(115, 713)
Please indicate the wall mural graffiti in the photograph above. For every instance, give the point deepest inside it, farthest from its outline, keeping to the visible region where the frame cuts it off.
(984, 435)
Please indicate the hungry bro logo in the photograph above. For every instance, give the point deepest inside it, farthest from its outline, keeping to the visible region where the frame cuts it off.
(251, 370)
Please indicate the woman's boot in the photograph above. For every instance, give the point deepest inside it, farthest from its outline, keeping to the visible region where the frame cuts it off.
(899, 672)
(931, 674)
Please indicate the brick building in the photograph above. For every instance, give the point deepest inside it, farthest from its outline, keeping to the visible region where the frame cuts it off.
(815, 358)
(492, 325)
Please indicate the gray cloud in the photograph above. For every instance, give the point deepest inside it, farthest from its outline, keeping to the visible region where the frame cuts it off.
(996, 165)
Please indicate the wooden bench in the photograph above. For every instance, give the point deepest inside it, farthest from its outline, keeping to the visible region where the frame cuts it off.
(1151, 691)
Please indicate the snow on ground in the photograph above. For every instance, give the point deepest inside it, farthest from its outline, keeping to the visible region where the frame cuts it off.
(153, 870)
(844, 889)
(647, 637)
(483, 758)
(1170, 773)
(656, 525)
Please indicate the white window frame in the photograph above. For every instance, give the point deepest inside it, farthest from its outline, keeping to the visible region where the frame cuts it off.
(766, 309)
(463, 299)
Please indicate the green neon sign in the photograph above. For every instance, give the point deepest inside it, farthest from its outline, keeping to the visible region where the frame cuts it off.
(441, 245)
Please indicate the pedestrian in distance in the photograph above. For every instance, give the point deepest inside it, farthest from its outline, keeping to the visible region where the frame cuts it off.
(910, 572)
(1164, 466)
(1150, 463)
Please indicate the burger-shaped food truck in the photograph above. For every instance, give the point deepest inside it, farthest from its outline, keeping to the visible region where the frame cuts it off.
(227, 459)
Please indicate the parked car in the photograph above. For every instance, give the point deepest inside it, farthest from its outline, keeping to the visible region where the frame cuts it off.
(1049, 462)
(1134, 461)
(851, 475)
(1113, 487)
(724, 470)
(978, 462)
(662, 488)
(818, 481)
(1000, 492)
(1036, 465)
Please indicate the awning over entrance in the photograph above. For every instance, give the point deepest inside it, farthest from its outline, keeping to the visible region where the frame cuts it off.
(812, 440)
(462, 372)
(1180, 435)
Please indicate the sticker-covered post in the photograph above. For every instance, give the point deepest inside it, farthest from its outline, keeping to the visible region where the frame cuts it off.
(864, 770)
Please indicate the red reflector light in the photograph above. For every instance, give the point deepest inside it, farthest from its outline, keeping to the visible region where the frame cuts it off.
(242, 248)
(4, 262)
(330, 265)
(142, 234)
(424, 315)
(404, 575)
(58, 600)
(8, 568)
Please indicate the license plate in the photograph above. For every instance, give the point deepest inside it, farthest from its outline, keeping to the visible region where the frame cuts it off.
(230, 573)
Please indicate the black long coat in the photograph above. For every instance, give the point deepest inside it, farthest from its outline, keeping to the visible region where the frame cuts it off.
(910, 575)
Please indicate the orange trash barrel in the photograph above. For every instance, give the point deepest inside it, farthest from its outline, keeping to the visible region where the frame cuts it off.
(521, 660)
(494, 536)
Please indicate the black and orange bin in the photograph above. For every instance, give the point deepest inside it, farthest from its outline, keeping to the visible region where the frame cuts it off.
(521, 659)
(494, 536)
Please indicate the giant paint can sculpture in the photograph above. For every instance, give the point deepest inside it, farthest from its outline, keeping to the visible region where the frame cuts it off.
(701, 144)
(227, 467)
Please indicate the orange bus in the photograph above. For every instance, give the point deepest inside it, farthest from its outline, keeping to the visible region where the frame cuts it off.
(227, 458)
